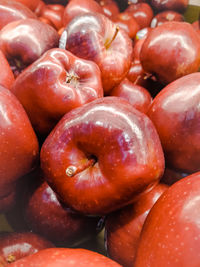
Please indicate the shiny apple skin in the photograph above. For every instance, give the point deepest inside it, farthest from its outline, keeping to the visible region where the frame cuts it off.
(53, 13)
(165, 16)
(176, 5)
(176, 46)
(18, 142)
(30, 4)
(109, 7)
(123, 227)
(178, 105)
(14, 246)
(6, 74)
(95, 37)
(45, 215)
(24, 41)
(127, 23)
(67, 81)
(136, 95)
(109, 172)
(170, 236)
(142, 13)
(77, 7)
(59, 257)
(12, 11)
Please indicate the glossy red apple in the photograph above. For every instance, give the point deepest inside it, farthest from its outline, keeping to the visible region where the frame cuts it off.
(142, 13)
(127, 22)
(109, 7)
(123, 227)
(30, 4)
(177, 5)
(176, 48)
(12, 11)
(60, 2)
(6, 74)
(76, 7)
(24, 41)
(53, 13)
(66, 80)
(14, 246)
(171, 234)
(59, 257)
(136, 95)
(18, 143)
(175, 114)
(96, 175)
(165, 16)
(95, 37)
(46, 216)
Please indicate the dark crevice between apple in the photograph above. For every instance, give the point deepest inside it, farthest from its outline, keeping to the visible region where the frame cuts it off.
(16, 65)
(89, 162)
(109, 42)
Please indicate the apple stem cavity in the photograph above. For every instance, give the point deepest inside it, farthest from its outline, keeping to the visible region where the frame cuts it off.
(109, 42)
(73, 170)
(11, 258)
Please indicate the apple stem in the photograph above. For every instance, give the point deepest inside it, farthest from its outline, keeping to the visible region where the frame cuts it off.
(11, 258)
(73, 170)
(107, 45)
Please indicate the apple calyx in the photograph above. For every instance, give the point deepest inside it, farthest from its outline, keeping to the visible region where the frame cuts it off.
(72, 79)
(73, 170)
(109, 42)
(10, 258)
(16, 65)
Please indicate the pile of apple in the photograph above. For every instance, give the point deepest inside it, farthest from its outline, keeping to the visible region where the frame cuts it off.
(99, 131)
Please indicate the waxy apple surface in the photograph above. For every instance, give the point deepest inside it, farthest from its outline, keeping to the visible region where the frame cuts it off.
(18, 143)
(123, 227)
(100, 156)
(60, 257)
(177, 5)
(66, 80)
(24, 41)
(6, 74)
(95, 37)
(165, 16)
(12, 11)
(14, 246)
(176, 48)
(45, 215)
(175, 113)
(171, 234)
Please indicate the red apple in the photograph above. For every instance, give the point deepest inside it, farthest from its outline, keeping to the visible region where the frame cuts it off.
(177, 5)
(165, 16)
(109, 7)
(30, 4)
(123, 227)
(60, 257)
(171, 233)
(66, 80)
(175, 114)
(76, 7)
(127, 22)
(6, 74)
(96, 175)
(136, 95)
(14, 246)
(18, 143)
(95, 37)
(176, 48)
(24, 41)
(46, 216)
(53, 13)
(12, 11)
(142, 13)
